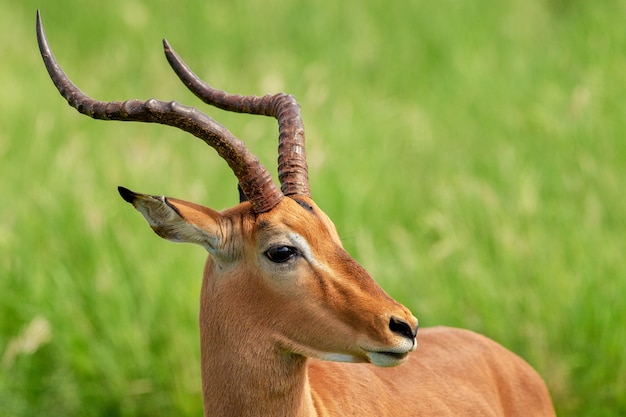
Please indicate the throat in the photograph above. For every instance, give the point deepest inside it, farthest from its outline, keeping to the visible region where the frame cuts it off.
(254, 383)
(244, 371)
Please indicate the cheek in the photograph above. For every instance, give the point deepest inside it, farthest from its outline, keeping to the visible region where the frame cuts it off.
(309, 322)
(301, 294)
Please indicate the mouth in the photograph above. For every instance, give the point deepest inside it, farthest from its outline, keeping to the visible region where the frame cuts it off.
(399, 356)
(387, 359)
(390, 357)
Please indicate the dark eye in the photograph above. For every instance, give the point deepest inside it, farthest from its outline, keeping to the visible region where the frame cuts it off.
(280, 254)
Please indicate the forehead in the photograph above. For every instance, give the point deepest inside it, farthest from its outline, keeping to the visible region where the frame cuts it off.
(289, 213)
(300, 215)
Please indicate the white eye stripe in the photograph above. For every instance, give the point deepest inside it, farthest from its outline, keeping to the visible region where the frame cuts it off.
(301, 243)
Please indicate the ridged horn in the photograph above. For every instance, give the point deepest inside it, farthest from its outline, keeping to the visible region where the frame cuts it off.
(255, 181)
(292, 166)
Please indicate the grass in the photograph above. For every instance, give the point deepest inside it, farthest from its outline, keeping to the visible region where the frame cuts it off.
(472, 155)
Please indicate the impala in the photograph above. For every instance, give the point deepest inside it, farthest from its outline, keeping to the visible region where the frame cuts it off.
(283, 306)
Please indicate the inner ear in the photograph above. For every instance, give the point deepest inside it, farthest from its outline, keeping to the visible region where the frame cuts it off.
(177, 220)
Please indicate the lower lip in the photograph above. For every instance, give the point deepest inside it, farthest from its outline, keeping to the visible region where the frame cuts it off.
(395, 356)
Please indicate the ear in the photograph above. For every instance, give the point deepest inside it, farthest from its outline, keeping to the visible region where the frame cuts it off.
(177, 220)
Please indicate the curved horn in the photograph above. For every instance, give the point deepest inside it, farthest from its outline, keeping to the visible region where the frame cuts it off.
(254, 179)
(292, 166)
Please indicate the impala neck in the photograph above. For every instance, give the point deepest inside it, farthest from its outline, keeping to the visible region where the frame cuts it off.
(244, 371)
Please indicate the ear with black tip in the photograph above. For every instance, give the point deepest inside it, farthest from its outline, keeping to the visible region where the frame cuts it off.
(127, 194)
(177, 220)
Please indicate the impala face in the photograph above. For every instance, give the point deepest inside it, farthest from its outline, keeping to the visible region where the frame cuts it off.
(290, 259)
(300, 256)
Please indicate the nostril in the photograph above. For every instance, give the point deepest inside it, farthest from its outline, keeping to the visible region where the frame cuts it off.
(401, 327)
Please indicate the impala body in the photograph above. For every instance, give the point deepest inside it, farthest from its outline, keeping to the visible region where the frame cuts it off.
(283, 306)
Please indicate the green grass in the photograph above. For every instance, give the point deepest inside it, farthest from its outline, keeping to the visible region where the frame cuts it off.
(472, 155)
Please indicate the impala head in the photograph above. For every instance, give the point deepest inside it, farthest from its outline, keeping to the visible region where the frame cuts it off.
(276, 264)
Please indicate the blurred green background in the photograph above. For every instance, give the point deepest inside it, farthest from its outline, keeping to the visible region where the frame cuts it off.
(471, 153)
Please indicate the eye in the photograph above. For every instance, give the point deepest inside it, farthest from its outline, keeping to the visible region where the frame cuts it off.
(280, 254)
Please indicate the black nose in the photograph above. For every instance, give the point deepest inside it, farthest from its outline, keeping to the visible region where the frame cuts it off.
(401, 327)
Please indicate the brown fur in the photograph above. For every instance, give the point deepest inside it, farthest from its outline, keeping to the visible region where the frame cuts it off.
(265, 326)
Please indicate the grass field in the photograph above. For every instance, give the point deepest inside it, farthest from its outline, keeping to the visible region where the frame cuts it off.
(471, 153)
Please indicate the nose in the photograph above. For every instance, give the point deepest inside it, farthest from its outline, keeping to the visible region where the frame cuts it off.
(403, 328)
